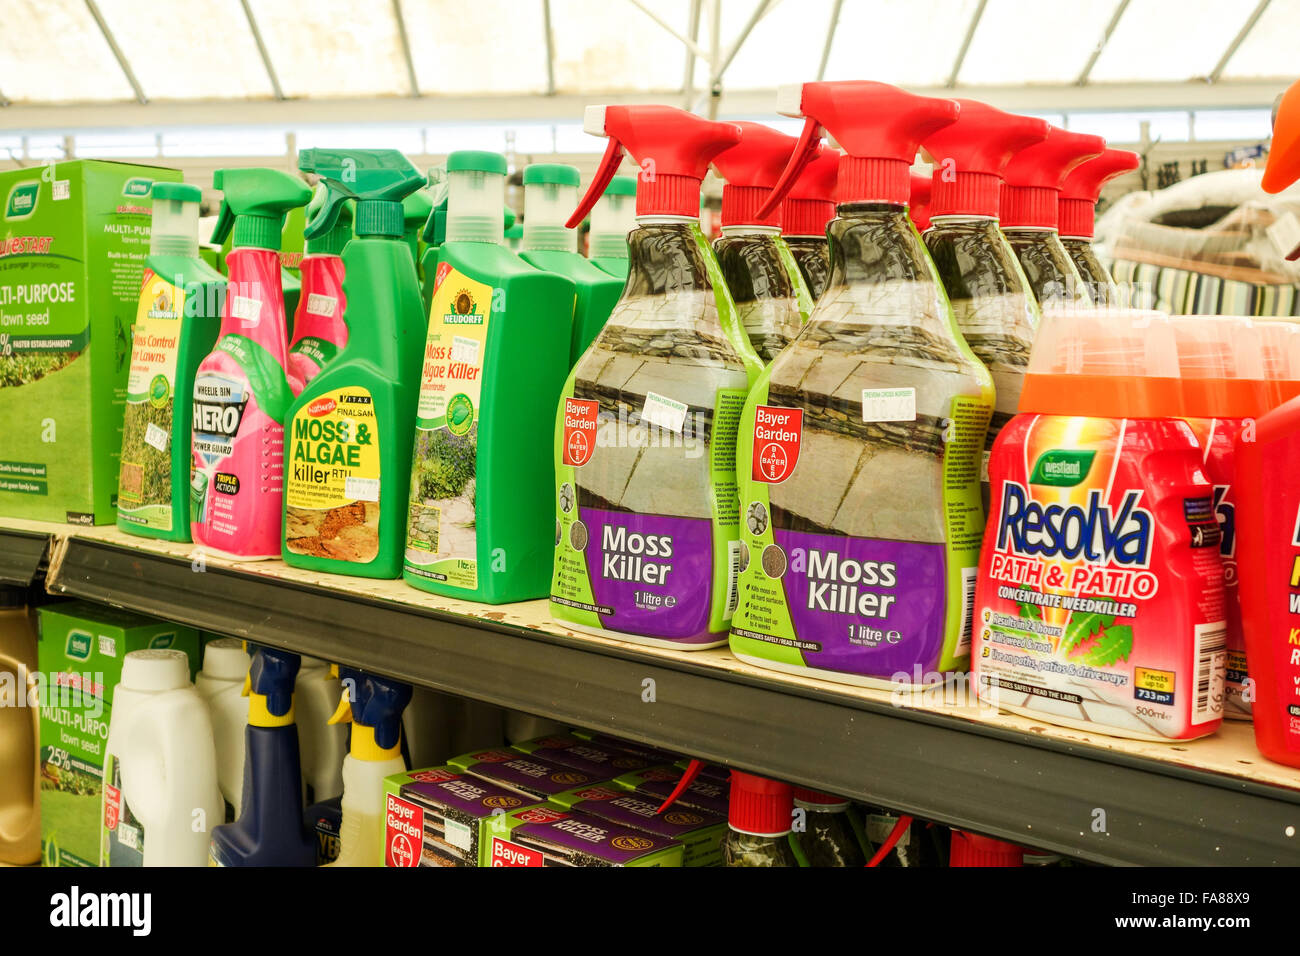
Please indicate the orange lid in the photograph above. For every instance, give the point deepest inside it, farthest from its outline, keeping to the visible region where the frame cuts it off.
(1103, 363)
(1280, 341)
(1221, 362)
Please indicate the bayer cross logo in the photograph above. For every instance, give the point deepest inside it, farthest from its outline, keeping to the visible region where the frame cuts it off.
(579, 447)
(402, 852)
(773, 462)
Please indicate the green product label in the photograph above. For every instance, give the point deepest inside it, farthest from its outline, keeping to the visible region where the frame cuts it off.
(1062, 468)
(801, 292)
(265, 376)
(319, 350)
(79, 645)
(145, 479)
(137, 186)
(963, 518)
(22, 200)
(728, 316)
(121, 831)
(441, 534)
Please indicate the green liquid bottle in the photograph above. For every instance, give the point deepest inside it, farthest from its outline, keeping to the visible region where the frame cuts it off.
(805, 213)
(1076, 207)
(759, 817)
(612, 218)
(481, 525)
(348, 435)
(176, 325)
(550, 194)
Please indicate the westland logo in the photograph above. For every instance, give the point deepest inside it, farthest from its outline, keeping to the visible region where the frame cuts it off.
(137, 187)
(78, 645)
(163, 641)
(22, 200)
(1061, 468)
(1096, 532)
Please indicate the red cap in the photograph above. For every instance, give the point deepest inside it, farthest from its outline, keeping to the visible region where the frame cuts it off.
(1081, 188)
(1033, 177)
(673, 147)
(751, 168)
(811, 202)
(760, 806)
(970, 155)
(804, 795)
(920, 206)
(879, 126)
(968, 849)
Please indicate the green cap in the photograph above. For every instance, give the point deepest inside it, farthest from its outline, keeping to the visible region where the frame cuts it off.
(332, 240)
(556, 174)
(510, 218)
(621, 186)
(476, 160)
(254, 204)
(376, 179)
(181, 192)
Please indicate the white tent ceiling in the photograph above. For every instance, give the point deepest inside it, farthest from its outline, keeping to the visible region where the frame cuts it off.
(76, 62)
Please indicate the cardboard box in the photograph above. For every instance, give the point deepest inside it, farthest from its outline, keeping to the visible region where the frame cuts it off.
(698, 831)
(532, 776)
(439, 816)
(80, 656)
(544, 835)
(73, 240)
(597, 760)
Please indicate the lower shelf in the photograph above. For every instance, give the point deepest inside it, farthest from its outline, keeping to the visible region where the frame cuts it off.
(1213, 801)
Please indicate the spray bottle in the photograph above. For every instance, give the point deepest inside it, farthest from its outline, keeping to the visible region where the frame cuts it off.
(417, 207)
(1031, 182)
(479, 524)
(990, 297)
(347, 465)
(1075, 210)
(612, 218)
(762, 276)
(550, 193)
(176, 325)
(646, 520)
(221, 685)
(805, 212)
(918, 203)
(844, 577)
(319, 328)
(374, 706)
(321, 743)
(270, 830)
(759, 819)
(242, 390)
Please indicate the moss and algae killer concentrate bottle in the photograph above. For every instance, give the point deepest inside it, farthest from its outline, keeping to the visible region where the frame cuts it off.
(319, 328)
(242, 390)
(480, 522)
(805, 212)
(349, 432)
(550, 194)
(845, 577)
(995, 310)
(176, 325)
(612, 218)
(760, 813)
(1100, 601)
(761, 274)
(1075, 213)
(646, 520)
(1031, 182)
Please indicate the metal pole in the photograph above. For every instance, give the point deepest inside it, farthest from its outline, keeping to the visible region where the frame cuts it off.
(965, 44)
(688, 79)
(1238, 40)
(760, 9)
(261, 48)
(830, 38)
(1101, 44)
(550, 48)
(690, 44)
(406, 47)
(117, 51)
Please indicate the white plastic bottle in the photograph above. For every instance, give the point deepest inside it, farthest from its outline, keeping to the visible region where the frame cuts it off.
(161, 799)
(426, 727)
(323, 745)
(221, 685)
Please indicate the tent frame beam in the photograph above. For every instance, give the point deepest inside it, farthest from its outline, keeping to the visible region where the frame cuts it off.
(975, 19)
(400, 19)
(1238, 40)
(107, 31)
(1093, 57)
(831, 26)
(262, 51)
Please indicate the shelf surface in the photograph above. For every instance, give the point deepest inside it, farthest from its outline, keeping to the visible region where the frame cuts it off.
(1212, 801)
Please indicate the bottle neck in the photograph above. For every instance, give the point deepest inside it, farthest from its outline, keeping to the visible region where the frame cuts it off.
(369, 260)
(255, 300)
(751, 230)
(666, 255)
(872, 243)
(607, 246)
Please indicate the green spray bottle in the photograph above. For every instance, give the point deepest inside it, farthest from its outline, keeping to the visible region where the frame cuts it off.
(416, 210)
(175, 327)
(348, 434)
(550, 194)
(612, 218)
(481, 524)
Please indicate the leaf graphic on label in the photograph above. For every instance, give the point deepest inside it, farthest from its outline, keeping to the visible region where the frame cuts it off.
(1082, 627)
(1030, 610)
(1114, 645)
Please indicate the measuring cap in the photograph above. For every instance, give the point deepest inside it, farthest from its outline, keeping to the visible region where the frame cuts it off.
(550, 193)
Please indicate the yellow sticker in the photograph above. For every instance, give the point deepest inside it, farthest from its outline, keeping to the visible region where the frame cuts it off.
(1147, 679)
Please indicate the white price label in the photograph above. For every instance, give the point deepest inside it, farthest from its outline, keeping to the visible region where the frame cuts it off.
(458, 834)
(665, 412)
(1285, 234)
(153, 435)
(61, 189)
(247, 310)
(361, 489)
(464, 350)
(128, 835)
(889, 404)
(107, 646)
(325, 305)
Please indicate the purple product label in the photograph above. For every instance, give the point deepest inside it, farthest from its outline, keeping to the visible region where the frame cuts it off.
(631, 809)
(535, 775)
(591, 759)
(597, 836)
(471, 795)
(702, 794)
(651, 574)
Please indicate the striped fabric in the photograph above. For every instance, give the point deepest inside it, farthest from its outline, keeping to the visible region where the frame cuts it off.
(1181, 292)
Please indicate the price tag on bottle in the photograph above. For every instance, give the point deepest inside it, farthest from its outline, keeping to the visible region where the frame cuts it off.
(889, 404)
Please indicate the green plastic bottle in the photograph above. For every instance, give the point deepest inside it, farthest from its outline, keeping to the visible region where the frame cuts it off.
(348, 435)
(416, 210)
(514, 236)
(494, 363)
(550, 194)
(612, 218)
(176, 325)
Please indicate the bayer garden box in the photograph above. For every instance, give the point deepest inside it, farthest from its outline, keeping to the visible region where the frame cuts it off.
(80, 658)
(73, 240)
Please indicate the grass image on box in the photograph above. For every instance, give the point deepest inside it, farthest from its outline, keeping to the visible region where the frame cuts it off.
(859, 447)
(646, 519)
(346, 465)
(495, 356)
(176, 325)
(73, 239)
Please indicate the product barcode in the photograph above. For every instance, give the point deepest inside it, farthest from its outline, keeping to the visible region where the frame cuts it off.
(733, 576)
(62, 189)
(968, 578)
(1211, 658)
